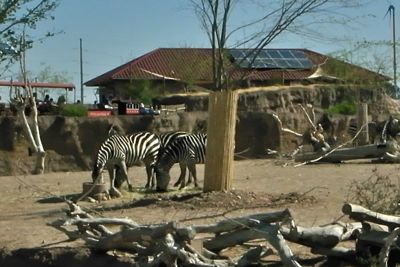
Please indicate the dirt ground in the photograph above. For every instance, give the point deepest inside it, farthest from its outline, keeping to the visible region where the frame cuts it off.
(313, 193)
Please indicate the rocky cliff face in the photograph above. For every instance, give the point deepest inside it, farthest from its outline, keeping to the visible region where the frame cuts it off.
(285, 98)
(72, 143)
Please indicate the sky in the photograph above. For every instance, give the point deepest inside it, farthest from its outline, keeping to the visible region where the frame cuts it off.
(115, 32)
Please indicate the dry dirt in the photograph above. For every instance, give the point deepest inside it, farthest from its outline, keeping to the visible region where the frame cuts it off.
(313, 193)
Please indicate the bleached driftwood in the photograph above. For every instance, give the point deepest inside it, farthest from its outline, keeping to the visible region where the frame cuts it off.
(77, 212)
(168, 244)
(286, 130)
(369, 226)
(247, 221)
(321, 236)
(318, 156)
(253, 256)
(262, 231)
(310, 120)
(360, 213)
(336, 252)
(168, 253)
(342, 154)
(275, 238)
(144, 235)
(102, 221)
(237, 237)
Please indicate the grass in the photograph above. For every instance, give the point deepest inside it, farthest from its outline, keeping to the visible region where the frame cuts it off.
(344, 108)
(73, 110)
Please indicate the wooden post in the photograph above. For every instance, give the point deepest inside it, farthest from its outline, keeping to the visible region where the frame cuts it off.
(218, 173)
(362, 119)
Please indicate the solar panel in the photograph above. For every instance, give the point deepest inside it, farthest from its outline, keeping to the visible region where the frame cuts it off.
(272, 59)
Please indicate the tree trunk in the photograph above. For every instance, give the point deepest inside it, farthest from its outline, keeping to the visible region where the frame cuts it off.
(40, 159)
(362, 119)
(362, 214)
(218, 172)
(348, 153)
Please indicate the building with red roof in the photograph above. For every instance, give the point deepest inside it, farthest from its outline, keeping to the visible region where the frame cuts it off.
(177, 70)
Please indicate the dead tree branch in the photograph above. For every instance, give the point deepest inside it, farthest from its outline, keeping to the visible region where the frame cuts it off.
(362, 214)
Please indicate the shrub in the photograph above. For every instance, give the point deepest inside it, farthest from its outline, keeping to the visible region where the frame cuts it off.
(73, 110)
(377, 193)
(344, 108)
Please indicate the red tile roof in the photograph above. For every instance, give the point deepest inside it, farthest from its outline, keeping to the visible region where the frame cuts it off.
(163, 63)
(194, 65)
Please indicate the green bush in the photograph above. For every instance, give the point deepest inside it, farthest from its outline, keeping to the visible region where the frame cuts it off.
(73, 110)
(344, 108)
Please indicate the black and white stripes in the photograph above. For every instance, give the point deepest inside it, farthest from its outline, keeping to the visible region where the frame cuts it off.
(119, 152)
(122, 151)
(189, 149)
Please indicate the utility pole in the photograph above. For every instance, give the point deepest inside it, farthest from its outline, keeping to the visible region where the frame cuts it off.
(391, 11)
(81, 63)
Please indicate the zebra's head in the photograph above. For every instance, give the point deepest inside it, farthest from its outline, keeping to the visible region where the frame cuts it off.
(162, 177)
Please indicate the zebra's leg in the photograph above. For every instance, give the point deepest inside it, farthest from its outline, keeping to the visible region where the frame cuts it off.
(113, 191)
(150, 176)
(189, 178)
(125, 171)
(192, 169)
(182, 176)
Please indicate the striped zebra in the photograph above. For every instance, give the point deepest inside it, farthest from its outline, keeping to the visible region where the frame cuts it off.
(190, 150)
(165, 139)
(119, 152)
(168, 138)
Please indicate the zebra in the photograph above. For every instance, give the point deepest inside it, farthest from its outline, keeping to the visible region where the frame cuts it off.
(168, 138)
(118, 152)
(165, 140)
(189, 149)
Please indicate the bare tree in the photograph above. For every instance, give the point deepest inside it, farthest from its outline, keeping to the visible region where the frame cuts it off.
(214, 15)
(22, 101)
(15, 16)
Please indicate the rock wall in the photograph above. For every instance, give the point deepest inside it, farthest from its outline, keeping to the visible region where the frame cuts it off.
(72, 143)
(284, 98)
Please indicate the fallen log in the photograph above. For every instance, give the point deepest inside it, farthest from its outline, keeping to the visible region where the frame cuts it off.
(275, 238)
(263, 231)
(253, 256)
(336, 252)
(326, 236)
(77, 212)
(342, 154)
(243, 222)
(362, 214)
(238, 237)
(369, 226)
(375, 238)
(102, 221)
(143, 235)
